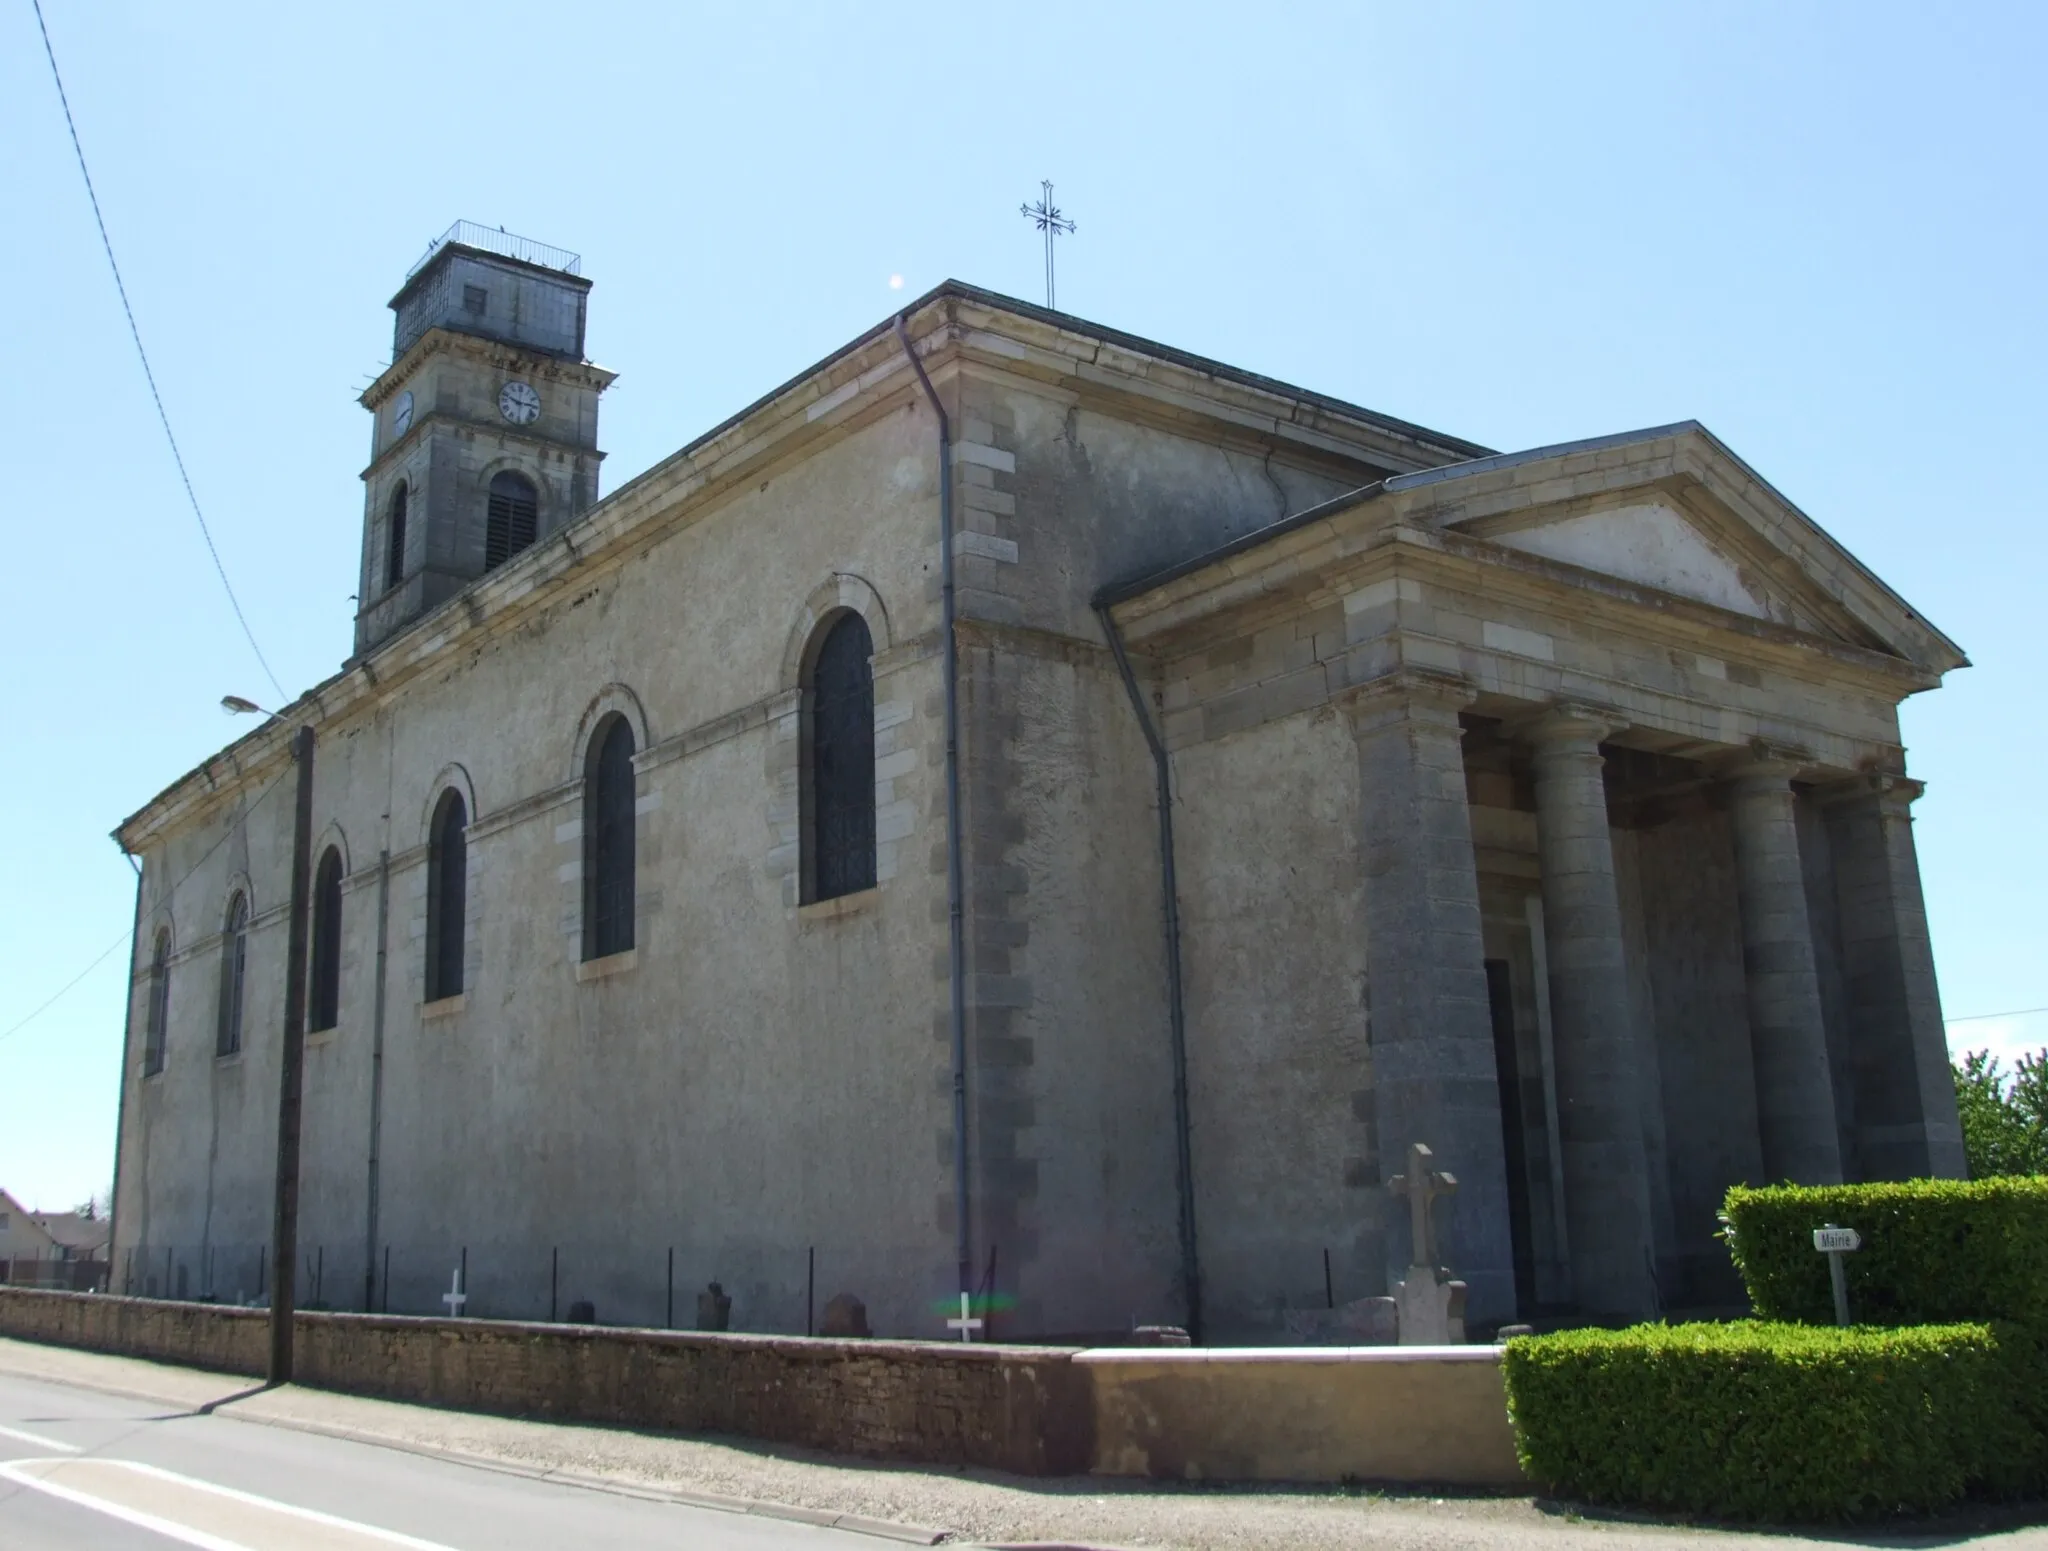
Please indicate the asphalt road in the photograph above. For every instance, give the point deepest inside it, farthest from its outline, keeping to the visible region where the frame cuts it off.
(82, 1469)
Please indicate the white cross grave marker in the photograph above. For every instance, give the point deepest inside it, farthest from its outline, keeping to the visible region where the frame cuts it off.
(967, 1323)
(1422, 1185)
(455, 1297)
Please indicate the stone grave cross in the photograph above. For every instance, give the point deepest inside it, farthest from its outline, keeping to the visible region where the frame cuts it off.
(1422, 1185)
(967, 1323)
(1429, 1308)
(455, 1297)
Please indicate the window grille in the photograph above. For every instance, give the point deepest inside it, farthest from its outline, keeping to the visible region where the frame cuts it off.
(608, 842)
(394, 540)
(447, 896)
(514, 515)
(323, 991)
(234, 969)
(156, 1022)
(475, 299)
(842, 762)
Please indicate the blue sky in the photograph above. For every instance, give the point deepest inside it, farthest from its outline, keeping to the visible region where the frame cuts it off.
(1816, 228)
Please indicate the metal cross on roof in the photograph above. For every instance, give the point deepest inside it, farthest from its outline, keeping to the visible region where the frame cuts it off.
(1048, 219)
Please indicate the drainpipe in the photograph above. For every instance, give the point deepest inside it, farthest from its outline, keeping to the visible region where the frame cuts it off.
(1176, 1011)
(376, 1082)
(956, 954)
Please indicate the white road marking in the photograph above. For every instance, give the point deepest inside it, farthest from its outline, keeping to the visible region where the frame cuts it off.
(22, 1474)
(39, 1441)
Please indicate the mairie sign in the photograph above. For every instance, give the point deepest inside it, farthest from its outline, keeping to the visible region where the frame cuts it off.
(1836, 1241)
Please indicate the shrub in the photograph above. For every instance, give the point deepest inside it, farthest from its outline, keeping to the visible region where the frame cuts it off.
(1934, 1250)
(1771, 1421)
(2005, 1123)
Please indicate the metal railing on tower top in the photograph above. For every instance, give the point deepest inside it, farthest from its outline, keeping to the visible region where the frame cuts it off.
(495, 239)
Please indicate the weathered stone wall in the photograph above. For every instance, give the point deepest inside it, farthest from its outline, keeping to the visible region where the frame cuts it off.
(753, 1081)
(1399, 1414)
(1018, 1409)
(1280, 1072)
(1393, 1414)
(761, 1076)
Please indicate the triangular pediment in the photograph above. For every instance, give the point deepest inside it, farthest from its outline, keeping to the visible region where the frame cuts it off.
(1672, 509)
(1652, 543)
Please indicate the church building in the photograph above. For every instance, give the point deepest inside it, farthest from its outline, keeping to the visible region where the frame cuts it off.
(1027, 810)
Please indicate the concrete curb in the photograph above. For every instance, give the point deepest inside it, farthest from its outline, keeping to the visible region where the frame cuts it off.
(827, 1518)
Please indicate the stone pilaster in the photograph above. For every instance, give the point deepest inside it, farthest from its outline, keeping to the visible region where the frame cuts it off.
(1795, 1095)
(1906, 1125)
(1433, 1073)
(1599, 1093)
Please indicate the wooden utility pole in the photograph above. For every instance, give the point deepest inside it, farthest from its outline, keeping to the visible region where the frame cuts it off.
(284, 1238)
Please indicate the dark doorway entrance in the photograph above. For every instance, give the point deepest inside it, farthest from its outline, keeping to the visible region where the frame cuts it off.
(1500, 997)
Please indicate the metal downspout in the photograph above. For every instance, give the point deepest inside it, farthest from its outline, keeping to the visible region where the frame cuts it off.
(1176, 1010)
(377, 1083)
(956, 960)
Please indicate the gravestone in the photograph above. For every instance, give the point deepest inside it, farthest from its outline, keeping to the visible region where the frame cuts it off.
(1429, 1305)
(1362, 1322)
(1159, 1335)
(845, 1316)
(714, 1309)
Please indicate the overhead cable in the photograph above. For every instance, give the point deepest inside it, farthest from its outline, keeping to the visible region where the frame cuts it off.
(136, 334)
(71, 984)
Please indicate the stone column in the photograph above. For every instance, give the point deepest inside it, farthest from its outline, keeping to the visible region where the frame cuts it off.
(1906, 1125)
(1795, 1093)
(1606, 1172)
(1429, 1027)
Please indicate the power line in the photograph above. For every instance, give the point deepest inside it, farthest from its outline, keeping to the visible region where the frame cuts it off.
(136, 333)
(1986, 1017)
(70, 985)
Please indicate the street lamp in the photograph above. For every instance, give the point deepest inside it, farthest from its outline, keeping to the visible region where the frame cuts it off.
(284, 1248)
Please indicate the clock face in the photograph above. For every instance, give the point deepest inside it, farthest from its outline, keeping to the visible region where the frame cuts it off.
(401, 413)
(518, 403)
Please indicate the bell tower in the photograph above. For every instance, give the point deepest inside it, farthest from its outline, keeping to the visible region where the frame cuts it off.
(485, 423)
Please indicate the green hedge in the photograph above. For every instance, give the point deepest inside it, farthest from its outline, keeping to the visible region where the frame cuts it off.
(1775, 1422)
(1934, 1250)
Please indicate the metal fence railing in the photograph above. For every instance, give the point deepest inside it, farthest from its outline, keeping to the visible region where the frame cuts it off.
(495, 239)
(907, 1290)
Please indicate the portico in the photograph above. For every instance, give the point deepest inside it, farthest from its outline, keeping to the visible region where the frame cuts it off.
(1637, 914)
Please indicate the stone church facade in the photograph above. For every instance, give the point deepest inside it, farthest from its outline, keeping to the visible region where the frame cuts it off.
(684, 909)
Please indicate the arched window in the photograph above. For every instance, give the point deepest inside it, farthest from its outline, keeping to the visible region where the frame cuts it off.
(447, 895)
(840, 769)
(514, 517)
(156, 1020)
(608, 840)
(323, 989)
(394, 540)
(234, 969)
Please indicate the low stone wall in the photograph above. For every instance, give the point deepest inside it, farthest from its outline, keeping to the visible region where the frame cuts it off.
(1415, 1415)
(1409, 1414)
(1020, 1409)
(193, 1335)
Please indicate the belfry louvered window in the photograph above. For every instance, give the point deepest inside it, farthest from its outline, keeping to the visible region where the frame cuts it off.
(608, 841)
(323, 992)
(842, 761)
(234, 971)
(394, 540)
(447, 895)
(513, 518)
(156, 1024)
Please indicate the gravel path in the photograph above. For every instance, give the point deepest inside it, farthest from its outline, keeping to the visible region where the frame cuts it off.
(976, 1507)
